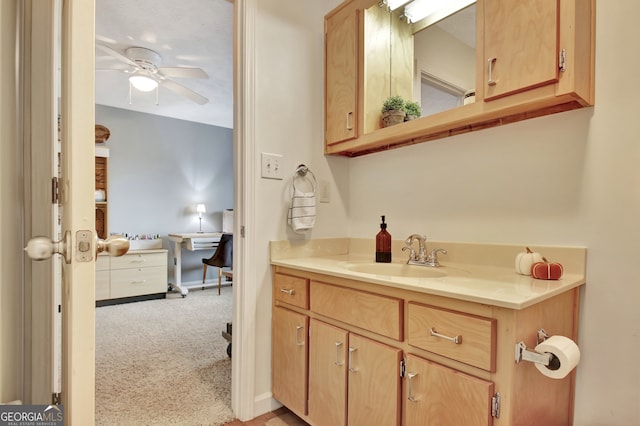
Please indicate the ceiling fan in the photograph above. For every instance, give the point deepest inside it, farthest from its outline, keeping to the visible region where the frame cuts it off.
(146, 73)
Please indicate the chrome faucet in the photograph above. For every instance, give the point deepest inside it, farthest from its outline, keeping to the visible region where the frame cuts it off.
(421, 257)
(422, 248)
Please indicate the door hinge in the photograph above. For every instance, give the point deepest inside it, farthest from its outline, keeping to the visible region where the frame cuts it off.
(563, 60)
(495, 406)
(403, 367)
(55, 191)
(242, 231)
(56, 398)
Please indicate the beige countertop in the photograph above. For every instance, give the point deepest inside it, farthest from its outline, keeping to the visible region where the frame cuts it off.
(482, 273)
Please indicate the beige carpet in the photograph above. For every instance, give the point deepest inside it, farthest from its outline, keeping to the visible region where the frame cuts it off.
(164, 362)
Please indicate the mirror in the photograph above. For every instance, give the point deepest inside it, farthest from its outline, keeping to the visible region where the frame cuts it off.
(431, 61)
(445, 61)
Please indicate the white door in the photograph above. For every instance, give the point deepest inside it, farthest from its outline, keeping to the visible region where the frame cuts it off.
(77, 205)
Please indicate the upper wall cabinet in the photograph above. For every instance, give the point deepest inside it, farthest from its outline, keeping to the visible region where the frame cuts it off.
(341, 75)
(532, 58)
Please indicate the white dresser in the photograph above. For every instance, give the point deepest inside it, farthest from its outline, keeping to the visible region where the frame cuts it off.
(138, 275)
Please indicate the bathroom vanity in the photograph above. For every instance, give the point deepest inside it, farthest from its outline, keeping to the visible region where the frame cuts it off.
(351, 344)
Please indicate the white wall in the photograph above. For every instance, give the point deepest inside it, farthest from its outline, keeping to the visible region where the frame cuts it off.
(567, 179)
(11, 224)
(289, 121)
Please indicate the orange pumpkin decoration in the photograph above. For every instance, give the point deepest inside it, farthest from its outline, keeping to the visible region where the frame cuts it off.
(546, 270)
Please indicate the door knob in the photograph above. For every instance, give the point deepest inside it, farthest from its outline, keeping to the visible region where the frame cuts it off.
(115, 245)
(42, 248)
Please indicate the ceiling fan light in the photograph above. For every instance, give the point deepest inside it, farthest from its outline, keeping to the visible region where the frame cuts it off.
(143, 83)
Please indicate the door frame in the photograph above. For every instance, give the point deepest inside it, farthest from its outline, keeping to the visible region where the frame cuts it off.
(244, 294)
(78, 109)
(78, 210)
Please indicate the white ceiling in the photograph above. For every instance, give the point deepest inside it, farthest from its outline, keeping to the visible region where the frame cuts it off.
(186, 33)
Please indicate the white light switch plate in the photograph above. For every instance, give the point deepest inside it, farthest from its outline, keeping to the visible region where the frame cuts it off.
(272, 166)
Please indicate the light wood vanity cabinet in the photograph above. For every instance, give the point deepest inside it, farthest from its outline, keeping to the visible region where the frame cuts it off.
(349, 370)
(434, 391)
(290, 352)
(359, 353)
(532, 59)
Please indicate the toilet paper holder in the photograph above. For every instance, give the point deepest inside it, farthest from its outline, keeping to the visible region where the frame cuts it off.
(547, 359)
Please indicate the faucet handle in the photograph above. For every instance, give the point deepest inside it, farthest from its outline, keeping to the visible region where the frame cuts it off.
(432, 259)
(412, 252)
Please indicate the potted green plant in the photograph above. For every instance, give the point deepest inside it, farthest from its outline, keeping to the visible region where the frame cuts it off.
(412, 109)
(393, 111)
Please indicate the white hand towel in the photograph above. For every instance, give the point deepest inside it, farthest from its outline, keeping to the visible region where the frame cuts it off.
(302, 213)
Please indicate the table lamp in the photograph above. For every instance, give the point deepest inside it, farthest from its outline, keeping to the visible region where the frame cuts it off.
(200, 208)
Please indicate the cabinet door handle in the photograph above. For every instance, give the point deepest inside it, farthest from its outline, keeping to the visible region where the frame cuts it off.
(290, 292)
(298, 341)
(491, 82)
(351, 368)
(337, 361)
(139, 282)
(410, 397)
(349, 125)
(455, 339)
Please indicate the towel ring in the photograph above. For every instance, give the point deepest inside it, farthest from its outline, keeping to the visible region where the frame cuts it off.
(302, 171)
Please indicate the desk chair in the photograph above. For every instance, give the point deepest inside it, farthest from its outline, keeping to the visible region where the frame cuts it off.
(222, 258)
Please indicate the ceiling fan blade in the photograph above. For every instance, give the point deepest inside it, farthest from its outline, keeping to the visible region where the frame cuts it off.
(183, 72)
(116, 55)
(184, 91)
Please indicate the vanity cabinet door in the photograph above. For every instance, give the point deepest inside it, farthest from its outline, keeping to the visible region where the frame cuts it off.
(341, 75)
(438, 395)
(521, 43)
(289, 351)
(374, 382)
(327, 374)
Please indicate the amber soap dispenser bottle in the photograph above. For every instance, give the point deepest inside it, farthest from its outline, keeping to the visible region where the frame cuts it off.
(383, 244)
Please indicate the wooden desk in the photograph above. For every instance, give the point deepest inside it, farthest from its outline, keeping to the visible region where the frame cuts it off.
(193, 241)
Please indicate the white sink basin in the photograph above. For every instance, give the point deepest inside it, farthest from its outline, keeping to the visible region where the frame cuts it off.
(396, 270)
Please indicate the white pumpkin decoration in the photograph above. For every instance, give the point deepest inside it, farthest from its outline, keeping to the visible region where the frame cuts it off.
(525, 259)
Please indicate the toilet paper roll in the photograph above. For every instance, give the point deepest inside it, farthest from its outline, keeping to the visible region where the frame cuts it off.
(566, 353)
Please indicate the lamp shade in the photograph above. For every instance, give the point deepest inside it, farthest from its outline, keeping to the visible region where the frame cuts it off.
(200, 208)
(143, 83)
